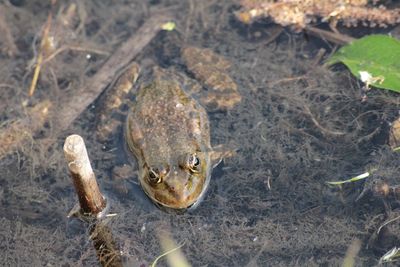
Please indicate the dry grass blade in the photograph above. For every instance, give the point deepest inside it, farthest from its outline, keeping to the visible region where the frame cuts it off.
(39, 60)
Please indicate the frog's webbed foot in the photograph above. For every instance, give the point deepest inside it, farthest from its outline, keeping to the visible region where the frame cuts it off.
(211, 70)
(221, 100)
(114, 99)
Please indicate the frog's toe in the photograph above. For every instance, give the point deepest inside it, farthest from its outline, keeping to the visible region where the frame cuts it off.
(217, 100)
(107, 127)
(219, 153)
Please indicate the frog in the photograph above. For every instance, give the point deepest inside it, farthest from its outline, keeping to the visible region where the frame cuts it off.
(167, 129)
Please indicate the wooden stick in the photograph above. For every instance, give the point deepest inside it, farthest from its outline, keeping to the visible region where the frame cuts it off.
(90, 199)
(107, 249)
(80, 99)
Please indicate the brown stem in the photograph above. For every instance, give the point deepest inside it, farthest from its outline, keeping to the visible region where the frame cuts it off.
(333, 37)
(90, 199)
(107, 250)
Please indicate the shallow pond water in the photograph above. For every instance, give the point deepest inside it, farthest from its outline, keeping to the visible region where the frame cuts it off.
(298, 125)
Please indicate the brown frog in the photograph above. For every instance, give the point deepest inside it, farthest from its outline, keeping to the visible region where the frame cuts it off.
(168, 131)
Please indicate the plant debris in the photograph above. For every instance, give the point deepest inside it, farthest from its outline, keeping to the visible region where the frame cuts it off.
(300, 13)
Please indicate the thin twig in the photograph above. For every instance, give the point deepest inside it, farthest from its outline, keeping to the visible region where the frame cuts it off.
(386, 223)
(40, 56)
(319, 126)
(74, 48)
(276, 31)
(333, 37)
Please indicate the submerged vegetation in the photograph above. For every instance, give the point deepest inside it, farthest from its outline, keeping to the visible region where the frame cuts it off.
(298, 126)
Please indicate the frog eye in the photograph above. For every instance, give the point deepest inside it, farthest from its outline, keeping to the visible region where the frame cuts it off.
(154, 176)
(193, 163)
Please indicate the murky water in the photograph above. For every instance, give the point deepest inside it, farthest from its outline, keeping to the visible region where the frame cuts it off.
(298, 125)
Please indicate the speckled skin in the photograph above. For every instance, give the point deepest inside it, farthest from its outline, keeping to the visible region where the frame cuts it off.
(166, 126)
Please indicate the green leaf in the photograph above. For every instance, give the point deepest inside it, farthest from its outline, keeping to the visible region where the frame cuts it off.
(374, 59)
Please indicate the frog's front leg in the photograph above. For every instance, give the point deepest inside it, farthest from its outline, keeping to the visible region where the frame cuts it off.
(114, 99)
(211, 70)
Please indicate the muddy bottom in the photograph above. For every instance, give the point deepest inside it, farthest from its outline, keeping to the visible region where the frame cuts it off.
(297, 126)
